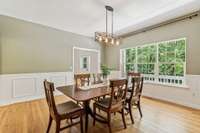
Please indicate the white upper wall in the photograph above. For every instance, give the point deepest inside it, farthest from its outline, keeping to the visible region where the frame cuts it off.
(87, 16)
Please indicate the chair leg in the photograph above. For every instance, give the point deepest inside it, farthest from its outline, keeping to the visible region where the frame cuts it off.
(71, 120)
(139, 107)
(81, 122)
(57, 126)
(99, 98)
(94, 119)
(130, 112)
(49, 125)
(109, 122)
(123, 118)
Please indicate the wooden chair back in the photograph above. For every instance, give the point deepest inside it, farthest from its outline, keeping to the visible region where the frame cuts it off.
(118, 92)
(137, 86)
(81, 80)
(98, 78)
(133, 74)
(49, 88)
(130, 75)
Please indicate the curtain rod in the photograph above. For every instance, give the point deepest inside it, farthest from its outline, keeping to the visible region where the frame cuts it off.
(188, 16)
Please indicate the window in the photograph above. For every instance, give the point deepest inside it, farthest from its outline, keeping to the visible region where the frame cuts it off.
(130, 59)
(84, 63)
(162, 62)
(172, 58)
(146, 59)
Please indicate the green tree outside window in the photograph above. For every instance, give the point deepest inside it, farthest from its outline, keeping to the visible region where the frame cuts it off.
(171, 58)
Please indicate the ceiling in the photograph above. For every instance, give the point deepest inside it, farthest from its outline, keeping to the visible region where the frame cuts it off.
(87, 16)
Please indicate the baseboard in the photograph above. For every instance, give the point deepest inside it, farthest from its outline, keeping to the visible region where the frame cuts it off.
(5, 103)
(26, 99)
(191, 107)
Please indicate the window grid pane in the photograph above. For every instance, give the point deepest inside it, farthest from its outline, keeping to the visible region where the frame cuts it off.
(159, 59)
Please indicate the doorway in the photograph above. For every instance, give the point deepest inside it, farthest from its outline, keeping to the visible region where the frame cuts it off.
(86, 60)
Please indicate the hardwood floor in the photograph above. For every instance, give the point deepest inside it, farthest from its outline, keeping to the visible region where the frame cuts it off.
(158, 117)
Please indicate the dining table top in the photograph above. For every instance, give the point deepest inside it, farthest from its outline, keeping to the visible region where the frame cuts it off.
(81, 95)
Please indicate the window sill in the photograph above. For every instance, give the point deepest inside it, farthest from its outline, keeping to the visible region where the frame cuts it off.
(168, 85)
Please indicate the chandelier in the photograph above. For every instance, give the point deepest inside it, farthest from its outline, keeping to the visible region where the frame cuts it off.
(106, 37)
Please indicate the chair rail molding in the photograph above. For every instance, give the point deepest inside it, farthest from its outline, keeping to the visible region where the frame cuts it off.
(24, 87)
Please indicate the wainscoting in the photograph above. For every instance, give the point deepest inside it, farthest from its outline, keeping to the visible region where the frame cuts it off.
(187, 96)
(23, 87)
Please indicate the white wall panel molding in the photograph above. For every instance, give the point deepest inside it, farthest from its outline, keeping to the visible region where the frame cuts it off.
(24, 87)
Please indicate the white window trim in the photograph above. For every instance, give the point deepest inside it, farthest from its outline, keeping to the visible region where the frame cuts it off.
(156, 75)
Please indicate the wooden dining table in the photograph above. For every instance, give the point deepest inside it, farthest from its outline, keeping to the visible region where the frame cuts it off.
(85, 96)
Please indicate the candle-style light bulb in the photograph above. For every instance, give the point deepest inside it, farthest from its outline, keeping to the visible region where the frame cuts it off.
(112, 41)
(117, 42)
(106, 40)
(100, 38)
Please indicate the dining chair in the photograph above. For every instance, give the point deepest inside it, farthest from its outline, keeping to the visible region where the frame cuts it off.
(112, 104)
(129, 78)
(61, 111)
(134, 74)
(98, 79)
(82, 80)
(133, 97)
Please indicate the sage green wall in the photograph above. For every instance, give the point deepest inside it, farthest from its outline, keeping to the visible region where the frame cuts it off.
(30, 48)
(187, 28)
(27, 48)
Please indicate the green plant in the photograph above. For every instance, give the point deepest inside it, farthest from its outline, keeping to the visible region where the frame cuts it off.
(105, 70)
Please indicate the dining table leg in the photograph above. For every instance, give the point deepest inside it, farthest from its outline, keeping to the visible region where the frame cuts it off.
(88, 112)
(86, 122)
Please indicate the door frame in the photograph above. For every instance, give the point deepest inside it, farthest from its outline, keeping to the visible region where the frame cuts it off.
(86, 49)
